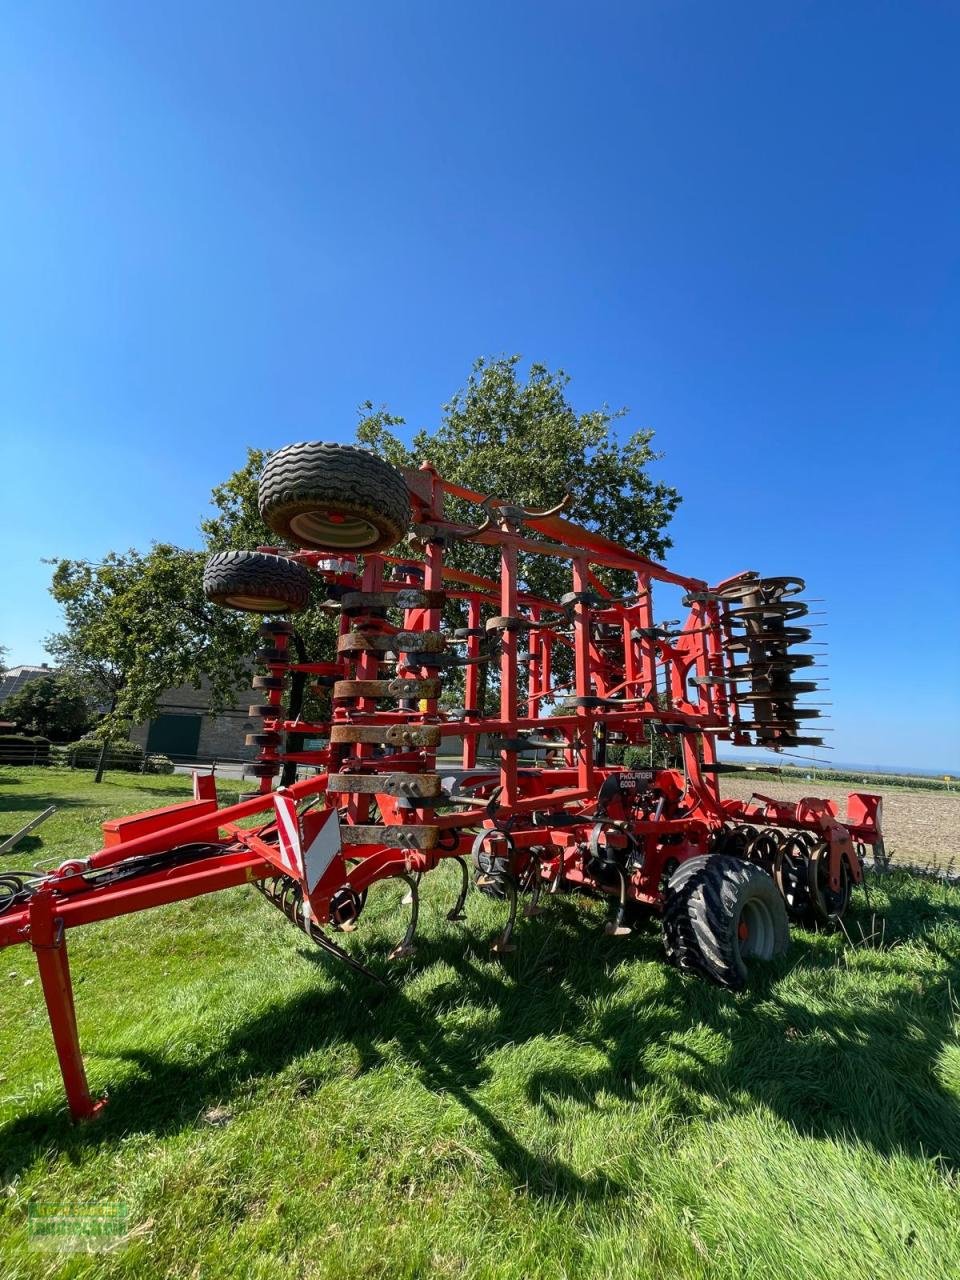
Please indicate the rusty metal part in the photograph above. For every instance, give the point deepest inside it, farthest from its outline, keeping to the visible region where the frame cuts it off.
(396, 688)
(404, 598)
(764, 668)
(401, 785)
(762, 588)
(399, 642)
(778, 610)
(394, 735)
(395, 836)
(501, 623)
(510, 513)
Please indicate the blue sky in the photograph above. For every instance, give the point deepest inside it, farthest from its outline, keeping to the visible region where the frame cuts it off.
(226, 225)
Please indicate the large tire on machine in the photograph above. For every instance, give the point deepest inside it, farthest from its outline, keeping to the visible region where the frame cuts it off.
(256, 582)
(720, 913)
(334, 497)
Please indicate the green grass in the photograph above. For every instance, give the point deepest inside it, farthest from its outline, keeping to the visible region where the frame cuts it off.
(577, 1110)
(801, 773)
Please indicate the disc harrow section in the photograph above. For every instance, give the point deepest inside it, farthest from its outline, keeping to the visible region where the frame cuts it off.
(761, 633)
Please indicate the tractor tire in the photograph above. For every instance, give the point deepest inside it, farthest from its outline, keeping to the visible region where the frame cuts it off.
(256, 582)
(334, 497)
(721, 913)
(677, 934)
(492, 873)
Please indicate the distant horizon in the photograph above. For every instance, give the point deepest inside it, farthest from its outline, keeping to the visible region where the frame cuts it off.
(750, 756)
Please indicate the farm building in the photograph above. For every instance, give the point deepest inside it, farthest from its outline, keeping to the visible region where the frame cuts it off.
(185, 728)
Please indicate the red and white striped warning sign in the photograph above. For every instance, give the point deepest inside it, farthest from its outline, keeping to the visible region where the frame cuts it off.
(306, 865)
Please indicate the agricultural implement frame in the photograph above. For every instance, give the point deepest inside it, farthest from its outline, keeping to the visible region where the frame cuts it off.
(355, 796)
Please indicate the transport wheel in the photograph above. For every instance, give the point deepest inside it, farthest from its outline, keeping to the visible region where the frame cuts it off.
(829, 905)
(334, 497)
(677, 934)
(256, 582)
(721, 915)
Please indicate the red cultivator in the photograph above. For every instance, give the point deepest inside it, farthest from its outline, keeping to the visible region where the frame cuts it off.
(355, 796)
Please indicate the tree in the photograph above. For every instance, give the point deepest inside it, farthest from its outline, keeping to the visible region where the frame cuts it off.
(55, 706)
(138, 623)
(524, 441)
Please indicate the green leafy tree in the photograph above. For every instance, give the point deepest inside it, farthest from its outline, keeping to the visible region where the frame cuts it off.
(522, 440)
(138, 623)
(55, 706)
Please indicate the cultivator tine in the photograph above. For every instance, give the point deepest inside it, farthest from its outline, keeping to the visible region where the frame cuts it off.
(287, 895)
(407, 899)
(405, 947)
(456, 912)
(534, 881)
(617, 927)
(502, 945)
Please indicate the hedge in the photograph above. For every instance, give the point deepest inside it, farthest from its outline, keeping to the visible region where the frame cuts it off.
(85, 754)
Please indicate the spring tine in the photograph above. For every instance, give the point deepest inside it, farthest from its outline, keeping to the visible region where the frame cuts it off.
(502, 945)
(327, 944)
(616, 928)
(456, 912)
(277, 889)
(406, 946)
(532, 908)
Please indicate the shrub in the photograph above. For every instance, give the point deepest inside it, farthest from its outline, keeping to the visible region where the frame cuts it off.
(156, 763)
(638, 757)
(85, 753)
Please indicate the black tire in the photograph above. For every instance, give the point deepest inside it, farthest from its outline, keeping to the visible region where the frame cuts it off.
(263, 739)
(256, 582)
(675, 922)
(334, 497)
(721, 914)
(493, 872)
(268, 682)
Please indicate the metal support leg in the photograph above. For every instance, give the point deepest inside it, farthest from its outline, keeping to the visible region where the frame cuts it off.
(50, 948)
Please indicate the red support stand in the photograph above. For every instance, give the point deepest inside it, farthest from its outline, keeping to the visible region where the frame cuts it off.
(50, 948)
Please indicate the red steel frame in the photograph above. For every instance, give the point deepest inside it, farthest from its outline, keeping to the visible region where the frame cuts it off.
(549, 809)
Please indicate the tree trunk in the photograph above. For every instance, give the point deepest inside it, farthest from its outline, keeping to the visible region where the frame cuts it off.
(101, 761)
(104, 748)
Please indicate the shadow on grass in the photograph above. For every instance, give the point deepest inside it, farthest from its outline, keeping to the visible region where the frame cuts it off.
(35, 802)
(865, 1074)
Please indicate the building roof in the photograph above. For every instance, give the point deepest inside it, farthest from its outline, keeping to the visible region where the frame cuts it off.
(17, 677)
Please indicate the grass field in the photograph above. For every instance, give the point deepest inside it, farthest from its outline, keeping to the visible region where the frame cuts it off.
(579, 1110)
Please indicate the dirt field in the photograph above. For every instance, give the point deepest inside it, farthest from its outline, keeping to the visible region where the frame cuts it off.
(919, 826)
